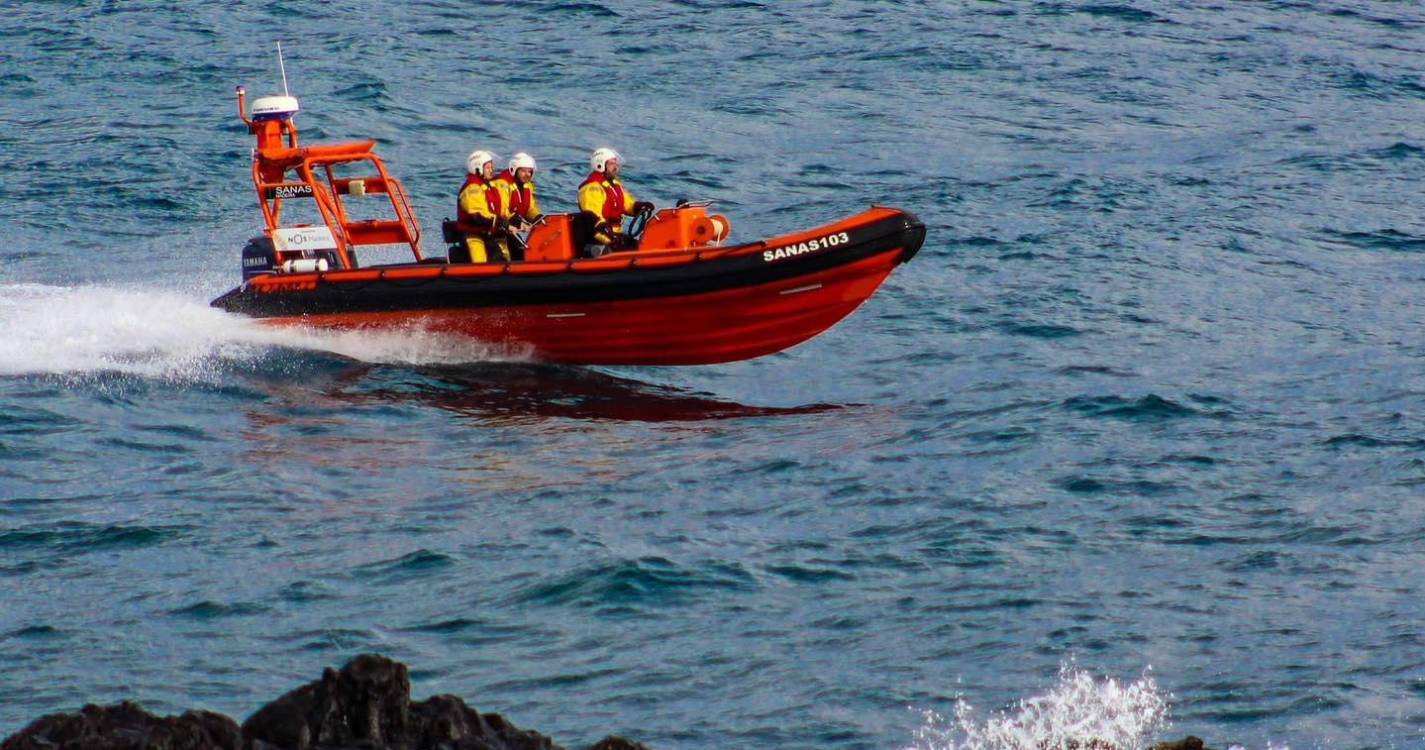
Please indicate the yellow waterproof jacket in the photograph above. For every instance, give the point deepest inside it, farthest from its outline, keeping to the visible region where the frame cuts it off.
(479, 205)
(607, 200)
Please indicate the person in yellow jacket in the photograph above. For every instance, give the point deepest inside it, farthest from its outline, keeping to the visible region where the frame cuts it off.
(480, 211)
(516, 185)
(603, 198)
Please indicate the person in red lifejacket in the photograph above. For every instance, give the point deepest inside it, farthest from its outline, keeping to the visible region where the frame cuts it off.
(517, 184)
(603, 198)
(480, 211)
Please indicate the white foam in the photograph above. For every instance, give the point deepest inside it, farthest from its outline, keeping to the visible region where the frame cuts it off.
(1077, 712)
(70, 330)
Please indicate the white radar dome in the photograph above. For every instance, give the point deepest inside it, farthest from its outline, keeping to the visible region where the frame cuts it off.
(274, 108)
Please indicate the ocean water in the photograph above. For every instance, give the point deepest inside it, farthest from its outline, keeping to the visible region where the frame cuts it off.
(1132, 449)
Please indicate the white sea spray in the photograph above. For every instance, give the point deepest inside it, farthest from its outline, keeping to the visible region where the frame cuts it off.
(1079, 713)
(167, 335)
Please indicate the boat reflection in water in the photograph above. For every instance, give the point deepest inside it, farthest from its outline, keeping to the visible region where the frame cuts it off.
(512, 393)
(516, 428)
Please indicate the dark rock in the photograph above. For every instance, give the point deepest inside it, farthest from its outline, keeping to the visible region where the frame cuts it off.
(614, 742)
(444, 721)
(1187, 743)
(364, 706)
(367, 702)
(126, 726)
(368, 705)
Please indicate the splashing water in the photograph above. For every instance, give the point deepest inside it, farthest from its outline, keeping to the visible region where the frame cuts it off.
(1079, 713)
(52, 330)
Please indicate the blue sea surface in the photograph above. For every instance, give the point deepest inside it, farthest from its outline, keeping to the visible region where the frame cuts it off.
(1146, 408)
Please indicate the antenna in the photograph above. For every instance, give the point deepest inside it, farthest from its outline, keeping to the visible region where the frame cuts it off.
(283, 67)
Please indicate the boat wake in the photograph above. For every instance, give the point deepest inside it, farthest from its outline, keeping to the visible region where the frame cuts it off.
(1080, 711)
(165, 335)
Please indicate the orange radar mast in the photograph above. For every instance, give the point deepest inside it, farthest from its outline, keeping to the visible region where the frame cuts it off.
(271, 115)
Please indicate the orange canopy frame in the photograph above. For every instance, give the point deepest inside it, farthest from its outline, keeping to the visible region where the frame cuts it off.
(283, 170)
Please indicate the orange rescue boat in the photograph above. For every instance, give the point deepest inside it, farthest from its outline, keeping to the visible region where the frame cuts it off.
(682, 297)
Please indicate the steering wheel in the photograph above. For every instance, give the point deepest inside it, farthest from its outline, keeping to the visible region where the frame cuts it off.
(637, 224)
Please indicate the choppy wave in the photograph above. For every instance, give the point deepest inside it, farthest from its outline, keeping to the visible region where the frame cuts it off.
(649, 581)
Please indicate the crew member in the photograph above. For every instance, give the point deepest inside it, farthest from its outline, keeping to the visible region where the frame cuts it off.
(480, 211)
(603, 198)
(517, 185)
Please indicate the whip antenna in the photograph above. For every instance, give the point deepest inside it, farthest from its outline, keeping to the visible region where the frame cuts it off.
(283, 67)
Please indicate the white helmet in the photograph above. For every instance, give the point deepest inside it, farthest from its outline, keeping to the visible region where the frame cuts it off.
(476, 161)
(601, 156)
(521, 161)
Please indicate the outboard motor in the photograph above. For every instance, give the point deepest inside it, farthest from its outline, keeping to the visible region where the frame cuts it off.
(258, 258)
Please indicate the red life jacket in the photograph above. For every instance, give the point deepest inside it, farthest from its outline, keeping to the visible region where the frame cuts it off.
(521, 199)
(521, 196)
(492, 199)
(613, 196)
